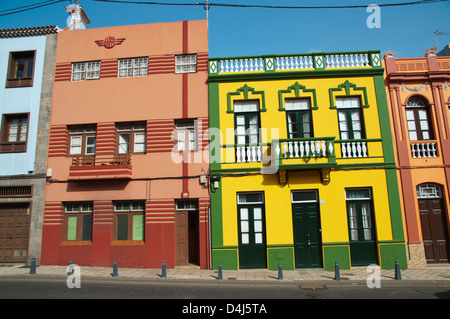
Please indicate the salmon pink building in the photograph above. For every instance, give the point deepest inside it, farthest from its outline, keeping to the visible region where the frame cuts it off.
(419, 104)
(126, 175)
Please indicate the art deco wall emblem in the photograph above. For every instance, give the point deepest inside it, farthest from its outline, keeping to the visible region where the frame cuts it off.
(110, 42)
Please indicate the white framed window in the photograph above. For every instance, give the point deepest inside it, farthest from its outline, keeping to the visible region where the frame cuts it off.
(85, 71)
(134, 67)
(82, 140)
(250, 198)
(186, 204)
(186, 63)
(131, 137)
(186, 134)
(429, 191)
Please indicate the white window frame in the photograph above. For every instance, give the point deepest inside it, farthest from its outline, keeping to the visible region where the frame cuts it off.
(186, 63)
(189, 128)
(134, 67)
(82, 71)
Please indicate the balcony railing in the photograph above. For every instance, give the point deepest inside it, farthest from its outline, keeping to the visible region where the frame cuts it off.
(95, 167)
(295, 62)
(424, 149)
(300, 151)
(13, 147)
(305, 153)
(93, 160)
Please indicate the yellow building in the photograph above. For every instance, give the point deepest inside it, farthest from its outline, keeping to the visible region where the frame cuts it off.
(302, 163)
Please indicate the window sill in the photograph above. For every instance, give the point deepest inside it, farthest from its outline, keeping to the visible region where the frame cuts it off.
(76, 243)
(127, 242)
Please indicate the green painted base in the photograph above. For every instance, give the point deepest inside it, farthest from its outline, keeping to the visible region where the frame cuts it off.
(285, 256)
(390, 253)
(333, 254)
(228, 258)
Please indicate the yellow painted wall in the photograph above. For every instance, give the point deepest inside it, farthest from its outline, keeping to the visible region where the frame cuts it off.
(278, 210)
(333, 212)
(324, 119)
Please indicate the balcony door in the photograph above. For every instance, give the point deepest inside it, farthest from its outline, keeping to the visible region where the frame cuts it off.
(299, 120)
(247, 127)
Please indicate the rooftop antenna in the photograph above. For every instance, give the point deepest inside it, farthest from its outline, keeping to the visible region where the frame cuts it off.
(438, 33)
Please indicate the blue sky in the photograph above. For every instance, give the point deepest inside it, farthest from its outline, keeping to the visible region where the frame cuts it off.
(407, 31)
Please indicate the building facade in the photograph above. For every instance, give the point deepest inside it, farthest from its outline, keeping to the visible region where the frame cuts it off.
(127, 175)
(27, 58)
(418, 98)
(302, 163)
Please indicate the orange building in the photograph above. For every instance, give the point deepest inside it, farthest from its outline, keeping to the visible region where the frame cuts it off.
(419, 99)
(126, 172)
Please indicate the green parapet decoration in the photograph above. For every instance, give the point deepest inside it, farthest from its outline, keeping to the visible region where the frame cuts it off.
(296, 88)
(246, 89)
(347, 85)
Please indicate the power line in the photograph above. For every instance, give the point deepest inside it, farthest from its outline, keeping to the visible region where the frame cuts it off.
(410, 3)
(29, 7)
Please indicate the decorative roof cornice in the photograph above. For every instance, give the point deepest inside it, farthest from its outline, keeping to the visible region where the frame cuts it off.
(28, 32)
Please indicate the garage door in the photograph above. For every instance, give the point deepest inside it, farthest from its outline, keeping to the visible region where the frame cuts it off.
(14, 232)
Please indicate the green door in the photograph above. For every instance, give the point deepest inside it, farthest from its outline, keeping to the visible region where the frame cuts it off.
(363, 247)
(252, 242)
(307, 239)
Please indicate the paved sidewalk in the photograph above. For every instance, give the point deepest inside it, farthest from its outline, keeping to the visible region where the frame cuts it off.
(433, 272)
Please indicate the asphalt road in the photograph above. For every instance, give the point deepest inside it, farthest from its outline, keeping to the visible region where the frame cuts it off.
(229, 298)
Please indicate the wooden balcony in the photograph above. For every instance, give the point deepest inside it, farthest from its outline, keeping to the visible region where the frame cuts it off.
(13, 147)
(95, 167)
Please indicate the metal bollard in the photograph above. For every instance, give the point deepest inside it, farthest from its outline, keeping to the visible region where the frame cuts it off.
(337, 275)
(115, 272)
(33, 266)
(398, 275)
(219, 276)
(163, 272)
(70, 270)
(280, 272)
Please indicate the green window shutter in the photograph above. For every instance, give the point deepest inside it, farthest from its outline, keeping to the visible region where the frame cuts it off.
(138, 227)
(122, 227)
(72, 228)
(86, 230)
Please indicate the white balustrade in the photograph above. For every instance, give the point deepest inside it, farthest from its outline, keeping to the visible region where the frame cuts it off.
(241, 65)
(354, 149)
(352, 60)
(304, 149)
(248, 154)
(420, 150)
(294, 62)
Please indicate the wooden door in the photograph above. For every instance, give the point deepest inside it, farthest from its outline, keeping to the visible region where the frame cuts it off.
(434, 230)
(307, 242)
(14, 232)
(182, 237)
(187, 238)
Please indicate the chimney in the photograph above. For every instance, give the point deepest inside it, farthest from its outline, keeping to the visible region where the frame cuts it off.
(77, 19)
